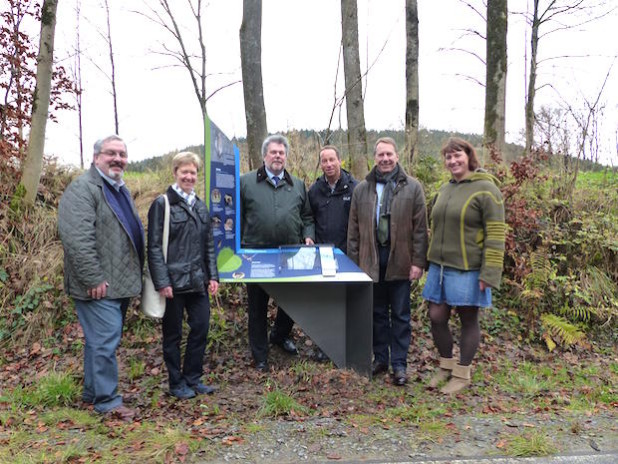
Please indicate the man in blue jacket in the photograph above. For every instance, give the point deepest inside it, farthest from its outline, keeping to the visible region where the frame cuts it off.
(103, 241)
(330, 198)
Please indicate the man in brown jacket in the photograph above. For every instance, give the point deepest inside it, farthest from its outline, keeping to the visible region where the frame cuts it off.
(387, 238)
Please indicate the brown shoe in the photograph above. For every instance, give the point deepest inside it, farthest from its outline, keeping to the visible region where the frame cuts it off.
(460, 379)
(123, 413)
(444, 371)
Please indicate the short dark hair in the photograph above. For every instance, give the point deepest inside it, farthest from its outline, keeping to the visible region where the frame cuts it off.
(456, 144)
(330, 147)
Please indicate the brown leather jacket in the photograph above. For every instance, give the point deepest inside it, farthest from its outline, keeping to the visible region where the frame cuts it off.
(408, 227)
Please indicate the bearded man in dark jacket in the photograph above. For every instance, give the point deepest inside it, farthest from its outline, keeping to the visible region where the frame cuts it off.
(274, 211)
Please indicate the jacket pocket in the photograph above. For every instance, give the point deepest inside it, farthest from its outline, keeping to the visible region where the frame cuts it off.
(180, 275)
(178, 216)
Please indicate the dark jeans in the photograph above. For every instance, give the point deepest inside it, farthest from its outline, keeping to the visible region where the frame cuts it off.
(258, 323)
(391, 317)
(198, 318)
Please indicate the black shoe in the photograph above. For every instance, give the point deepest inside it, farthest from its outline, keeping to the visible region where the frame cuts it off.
(286, 345)
(201, 389)
(321, 357)
(378, 368)
(399, 377)
(182, 392)
(261, 366)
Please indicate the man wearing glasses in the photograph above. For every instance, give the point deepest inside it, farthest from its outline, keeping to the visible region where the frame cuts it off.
(103, 242)
(274, 210)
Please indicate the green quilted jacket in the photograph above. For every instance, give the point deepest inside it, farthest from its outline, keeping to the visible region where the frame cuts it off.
(97, 247)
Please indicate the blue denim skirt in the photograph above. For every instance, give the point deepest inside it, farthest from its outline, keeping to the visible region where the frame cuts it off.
(455, 287)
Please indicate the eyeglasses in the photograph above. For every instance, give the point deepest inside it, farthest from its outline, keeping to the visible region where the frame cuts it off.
(113, 154)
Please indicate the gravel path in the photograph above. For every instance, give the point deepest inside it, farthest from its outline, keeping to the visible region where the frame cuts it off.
(325, 439)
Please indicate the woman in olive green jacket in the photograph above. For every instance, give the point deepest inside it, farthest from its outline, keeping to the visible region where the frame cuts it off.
(465, 255)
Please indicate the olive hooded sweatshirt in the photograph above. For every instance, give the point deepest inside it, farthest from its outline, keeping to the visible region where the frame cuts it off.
(468, 228)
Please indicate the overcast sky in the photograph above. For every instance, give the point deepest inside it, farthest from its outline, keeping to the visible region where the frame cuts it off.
(300, 45)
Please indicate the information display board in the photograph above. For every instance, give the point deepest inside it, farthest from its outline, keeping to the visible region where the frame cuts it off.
(325, 293)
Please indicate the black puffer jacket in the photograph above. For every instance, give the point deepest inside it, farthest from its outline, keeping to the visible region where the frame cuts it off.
(332, 209)
(191, 260)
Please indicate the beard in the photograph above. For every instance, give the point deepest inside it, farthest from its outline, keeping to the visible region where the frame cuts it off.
(116, 175)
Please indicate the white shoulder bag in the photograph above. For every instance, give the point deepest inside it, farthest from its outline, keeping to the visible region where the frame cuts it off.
(153, 304)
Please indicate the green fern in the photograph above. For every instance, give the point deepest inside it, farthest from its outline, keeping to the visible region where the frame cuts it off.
(541, 270)
(562, 331)
(579, 312)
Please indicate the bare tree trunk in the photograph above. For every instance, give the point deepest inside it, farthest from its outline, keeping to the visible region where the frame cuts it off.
(412, 93)
(534, 44)
(251, 59)
(495, 81)
(78, 83)
(113, 67)
(355, 109)
(36, 142)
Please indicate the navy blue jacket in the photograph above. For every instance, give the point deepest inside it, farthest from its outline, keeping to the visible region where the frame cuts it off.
(331, 209)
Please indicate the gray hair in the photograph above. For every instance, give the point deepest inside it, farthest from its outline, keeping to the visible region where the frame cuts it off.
(275, 138)
(98, 145)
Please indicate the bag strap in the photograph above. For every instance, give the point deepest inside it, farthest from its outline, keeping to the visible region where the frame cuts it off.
(166, 227)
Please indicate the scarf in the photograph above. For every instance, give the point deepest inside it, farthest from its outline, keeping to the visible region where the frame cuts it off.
(383, 229)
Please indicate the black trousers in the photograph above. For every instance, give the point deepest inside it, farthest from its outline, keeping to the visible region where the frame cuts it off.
(198, 318)
(391, 317)
(258, 323)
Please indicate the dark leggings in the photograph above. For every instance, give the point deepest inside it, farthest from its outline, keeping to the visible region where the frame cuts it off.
(439, 314)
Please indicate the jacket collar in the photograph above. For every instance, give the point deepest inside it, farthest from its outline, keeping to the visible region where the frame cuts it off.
(262, 176)
(176, 199)
(98, 178)
(341, 185)
(95, 176)
(401, 175)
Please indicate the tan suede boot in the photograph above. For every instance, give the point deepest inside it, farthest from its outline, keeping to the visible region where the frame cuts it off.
(460, 379)
(444, 372)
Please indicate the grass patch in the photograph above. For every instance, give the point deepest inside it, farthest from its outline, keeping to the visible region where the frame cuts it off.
(254, 428)
(53, 390)
(530, 444)
(527, 379)
(414, 412)
(581, 405)
(149, 443)
(73, 418)
(305, 370)
(137, 367)
(433, 431)
(278, 403)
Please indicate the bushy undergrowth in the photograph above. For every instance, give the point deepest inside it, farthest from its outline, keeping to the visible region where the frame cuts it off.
(561, 264)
